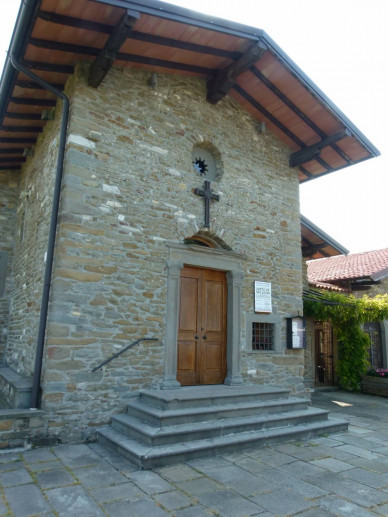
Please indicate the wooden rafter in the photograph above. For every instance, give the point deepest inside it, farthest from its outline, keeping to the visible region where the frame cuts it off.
(9, 140)
(78, 23)
(27, 101)
(12, 150)
(219, 85)
(105, 58)
(313, 151)
(274, 89)
(30, 85)
(23, 116)
(309, 251)
(18, 159)
(21, 129)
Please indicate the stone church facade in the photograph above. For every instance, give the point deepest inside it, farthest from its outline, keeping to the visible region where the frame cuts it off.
(131, 226)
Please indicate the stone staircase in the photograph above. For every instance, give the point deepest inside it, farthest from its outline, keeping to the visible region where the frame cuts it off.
(172, 426)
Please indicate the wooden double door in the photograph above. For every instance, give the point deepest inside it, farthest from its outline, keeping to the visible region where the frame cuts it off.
(202, 327)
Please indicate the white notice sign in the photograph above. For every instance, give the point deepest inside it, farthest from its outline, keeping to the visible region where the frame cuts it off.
(263, 297)
(295, 335)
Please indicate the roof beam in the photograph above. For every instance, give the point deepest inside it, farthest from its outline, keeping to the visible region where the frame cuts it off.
(23, 116)
(219, 85)
(69, 21)
(27, 101)
(305, 172)
(281, 126)
(105, 58)
(308, 251)
(10, 150)
(64, 47)
(268, 115)
(274, 89)
(184, 45)
(30, 85)
(22, 129)
(74, 22)
(81, 49)
(173, 65)
(18, 159)
(313, 151)
(48, 67)
(7, 140)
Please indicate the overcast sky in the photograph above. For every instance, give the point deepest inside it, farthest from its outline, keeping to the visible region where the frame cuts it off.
(342, 46)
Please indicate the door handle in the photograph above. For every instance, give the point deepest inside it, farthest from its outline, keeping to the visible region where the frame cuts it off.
(204, 337)
(196, 336)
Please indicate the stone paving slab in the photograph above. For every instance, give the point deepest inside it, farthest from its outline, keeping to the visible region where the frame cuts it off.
(345, 474)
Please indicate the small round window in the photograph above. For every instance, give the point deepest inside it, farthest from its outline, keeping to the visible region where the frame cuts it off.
(204, 163)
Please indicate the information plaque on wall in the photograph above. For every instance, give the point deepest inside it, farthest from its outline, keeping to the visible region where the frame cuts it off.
(263, 297)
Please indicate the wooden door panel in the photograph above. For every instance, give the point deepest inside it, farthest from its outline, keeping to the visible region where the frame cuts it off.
(213, 356)
(188, 373)
(202, 327)
(214, 307)
(189, 305)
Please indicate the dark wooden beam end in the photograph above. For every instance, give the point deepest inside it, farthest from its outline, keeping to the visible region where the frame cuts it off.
(219, 85)
(313, 151)
(105, 58)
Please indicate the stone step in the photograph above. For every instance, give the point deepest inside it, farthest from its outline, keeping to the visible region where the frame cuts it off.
(155, 436)
(198, 396)
(146, 457)
(160, 417)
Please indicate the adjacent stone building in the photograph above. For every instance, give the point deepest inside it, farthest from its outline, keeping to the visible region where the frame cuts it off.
(186, 142)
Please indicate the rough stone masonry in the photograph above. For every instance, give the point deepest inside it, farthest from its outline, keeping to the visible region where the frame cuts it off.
(128, 189)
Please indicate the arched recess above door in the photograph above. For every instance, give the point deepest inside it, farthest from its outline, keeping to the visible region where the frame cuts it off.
(207, 240)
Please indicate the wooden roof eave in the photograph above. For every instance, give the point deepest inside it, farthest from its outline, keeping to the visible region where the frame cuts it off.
(220, 80)
(171, 12)
(324, 240)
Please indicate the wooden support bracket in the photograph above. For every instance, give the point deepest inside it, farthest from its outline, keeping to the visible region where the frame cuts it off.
(104, 60)
(311, 152)
(219, 85)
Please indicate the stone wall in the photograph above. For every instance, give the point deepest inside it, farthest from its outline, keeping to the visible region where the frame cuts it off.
(33, 213)
(128, 188)
(9, 192)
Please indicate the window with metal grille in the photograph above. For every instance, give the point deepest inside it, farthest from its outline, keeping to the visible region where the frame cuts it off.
(262, 336)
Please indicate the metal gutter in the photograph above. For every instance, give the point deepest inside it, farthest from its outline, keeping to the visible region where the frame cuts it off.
(24, 19)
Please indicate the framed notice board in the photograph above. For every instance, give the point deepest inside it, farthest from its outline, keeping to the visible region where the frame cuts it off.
(296, 332)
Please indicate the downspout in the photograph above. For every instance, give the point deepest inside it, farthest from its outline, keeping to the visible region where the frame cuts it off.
(53, 226)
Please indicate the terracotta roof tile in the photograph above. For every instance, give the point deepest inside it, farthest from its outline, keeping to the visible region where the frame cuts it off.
(346, 267)
(329, 287)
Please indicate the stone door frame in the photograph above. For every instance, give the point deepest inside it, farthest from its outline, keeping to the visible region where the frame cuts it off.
(210, 258)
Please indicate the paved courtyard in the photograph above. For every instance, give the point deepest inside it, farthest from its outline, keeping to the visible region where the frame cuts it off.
(343, 474)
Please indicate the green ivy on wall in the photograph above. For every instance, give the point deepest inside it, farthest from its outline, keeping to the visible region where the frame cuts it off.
(347, 314)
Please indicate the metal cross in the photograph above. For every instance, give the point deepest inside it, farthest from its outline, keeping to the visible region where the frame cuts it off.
(207, 194)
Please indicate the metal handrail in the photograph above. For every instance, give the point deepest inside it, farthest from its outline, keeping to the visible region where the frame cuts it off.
(122, 351)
